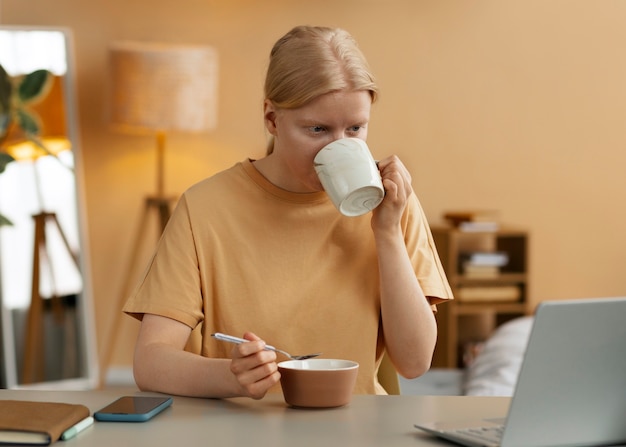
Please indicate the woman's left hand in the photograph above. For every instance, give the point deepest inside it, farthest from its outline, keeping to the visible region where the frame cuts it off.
(397, 183)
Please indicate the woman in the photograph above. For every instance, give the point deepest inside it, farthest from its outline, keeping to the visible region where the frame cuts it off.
(260, 250)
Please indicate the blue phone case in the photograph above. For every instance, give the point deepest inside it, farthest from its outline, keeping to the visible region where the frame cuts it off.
(133, 409)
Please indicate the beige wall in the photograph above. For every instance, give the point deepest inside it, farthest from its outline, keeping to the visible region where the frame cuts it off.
(511, 105)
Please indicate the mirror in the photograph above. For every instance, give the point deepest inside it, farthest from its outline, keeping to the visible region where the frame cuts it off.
(48, 330)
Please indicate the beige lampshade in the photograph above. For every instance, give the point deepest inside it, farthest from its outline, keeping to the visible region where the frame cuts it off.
(163, 87)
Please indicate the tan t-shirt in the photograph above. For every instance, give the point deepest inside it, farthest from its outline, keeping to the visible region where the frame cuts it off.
(240, 254)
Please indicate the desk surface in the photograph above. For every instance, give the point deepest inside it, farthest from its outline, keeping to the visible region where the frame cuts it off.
(366, 421)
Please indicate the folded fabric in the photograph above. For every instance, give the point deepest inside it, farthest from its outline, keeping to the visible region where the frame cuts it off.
(495, 369)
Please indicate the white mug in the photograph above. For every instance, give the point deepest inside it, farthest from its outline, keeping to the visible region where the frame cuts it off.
(350, 176)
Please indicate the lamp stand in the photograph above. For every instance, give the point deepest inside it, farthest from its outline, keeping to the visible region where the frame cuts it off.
(160, 205)
(33, 369)
(160, 202)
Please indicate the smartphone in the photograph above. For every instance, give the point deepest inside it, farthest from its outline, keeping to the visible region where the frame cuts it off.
(133, 409)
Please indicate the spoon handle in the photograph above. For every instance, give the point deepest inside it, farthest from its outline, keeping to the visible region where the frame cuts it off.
(236, 340)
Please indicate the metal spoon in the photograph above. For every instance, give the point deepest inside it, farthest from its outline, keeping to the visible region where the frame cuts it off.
(237, 340)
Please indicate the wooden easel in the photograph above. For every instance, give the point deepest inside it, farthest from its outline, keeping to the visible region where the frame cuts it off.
(34, 364)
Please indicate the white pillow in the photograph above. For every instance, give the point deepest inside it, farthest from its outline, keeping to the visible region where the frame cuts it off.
(495, 369)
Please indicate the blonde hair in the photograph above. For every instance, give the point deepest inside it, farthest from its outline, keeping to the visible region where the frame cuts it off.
(308, 62)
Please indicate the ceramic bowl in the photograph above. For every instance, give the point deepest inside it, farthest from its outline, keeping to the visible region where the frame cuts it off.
(318, 383)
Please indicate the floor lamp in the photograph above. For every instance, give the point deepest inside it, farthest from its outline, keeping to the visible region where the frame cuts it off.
(158, 89)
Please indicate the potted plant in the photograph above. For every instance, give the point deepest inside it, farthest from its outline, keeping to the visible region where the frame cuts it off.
(16, 94)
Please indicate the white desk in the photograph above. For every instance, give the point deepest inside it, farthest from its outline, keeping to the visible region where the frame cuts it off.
(367, 421)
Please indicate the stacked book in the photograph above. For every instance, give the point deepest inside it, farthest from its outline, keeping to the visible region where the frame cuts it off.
(486, 265)
(474, 220)
(489, 294)
(478, 264)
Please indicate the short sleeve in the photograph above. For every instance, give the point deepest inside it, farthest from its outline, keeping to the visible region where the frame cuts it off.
(170, 286)
(423, 254)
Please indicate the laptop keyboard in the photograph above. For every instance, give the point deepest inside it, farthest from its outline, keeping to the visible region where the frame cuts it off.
(488, 436)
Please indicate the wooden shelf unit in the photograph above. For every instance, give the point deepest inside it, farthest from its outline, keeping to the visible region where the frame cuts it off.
(466, 323)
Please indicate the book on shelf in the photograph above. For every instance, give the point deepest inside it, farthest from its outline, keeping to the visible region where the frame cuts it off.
(474, 220)
(478, 227)
(484, 294)
(484, 258)
(480, 271)
(38, 423)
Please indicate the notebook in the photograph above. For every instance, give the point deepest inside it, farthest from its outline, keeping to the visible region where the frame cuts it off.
(26, 422)
(571, 389)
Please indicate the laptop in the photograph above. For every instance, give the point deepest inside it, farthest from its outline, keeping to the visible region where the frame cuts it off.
(571, 388)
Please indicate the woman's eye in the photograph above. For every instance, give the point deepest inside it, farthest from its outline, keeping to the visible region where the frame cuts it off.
(355, 129)
(317, 129)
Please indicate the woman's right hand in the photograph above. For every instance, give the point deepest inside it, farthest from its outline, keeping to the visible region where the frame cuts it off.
(254, 367)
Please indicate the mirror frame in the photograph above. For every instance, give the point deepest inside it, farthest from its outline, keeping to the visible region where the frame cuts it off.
(86, 329)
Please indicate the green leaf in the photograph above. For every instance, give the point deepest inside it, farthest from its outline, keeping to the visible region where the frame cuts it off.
(33, 84)
(5, 221)
(5, 101)
(5, 159)
(5, 91)
(5, 120)
(27, 122)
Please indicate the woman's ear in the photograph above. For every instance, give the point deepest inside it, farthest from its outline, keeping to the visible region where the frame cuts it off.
(269, 114)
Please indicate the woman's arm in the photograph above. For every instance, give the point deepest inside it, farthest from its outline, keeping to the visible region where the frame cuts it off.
(409, 324)
(161, 364)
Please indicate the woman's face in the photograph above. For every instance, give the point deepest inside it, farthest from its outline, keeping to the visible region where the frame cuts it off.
(299, 134)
